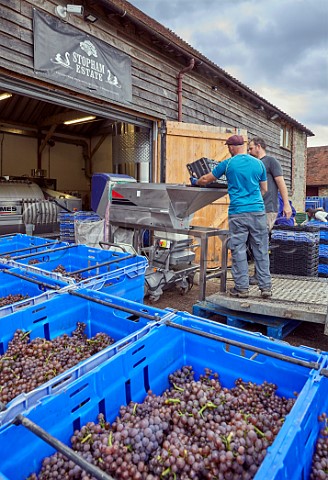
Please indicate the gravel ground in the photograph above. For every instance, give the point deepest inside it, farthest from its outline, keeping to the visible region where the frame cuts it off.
(307, 333)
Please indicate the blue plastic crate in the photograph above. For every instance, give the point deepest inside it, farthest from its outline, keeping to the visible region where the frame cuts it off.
(325, 204)
(322, 268)
(323, 228)
(127, 282)
(314, 202)
(123, 320)
(309, 233)
(67, 223)
(145, 365)
(73, 258)
(19, 243)
(323, 250)
(18, 281)
(300, 443)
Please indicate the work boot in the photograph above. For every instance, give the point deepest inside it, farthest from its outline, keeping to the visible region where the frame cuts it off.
(253, 280)
(266, 293)
(234, 292)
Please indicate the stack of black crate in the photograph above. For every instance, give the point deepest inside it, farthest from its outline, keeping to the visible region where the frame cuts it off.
(295, 250)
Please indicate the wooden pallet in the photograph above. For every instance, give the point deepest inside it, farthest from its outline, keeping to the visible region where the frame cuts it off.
(275, 327)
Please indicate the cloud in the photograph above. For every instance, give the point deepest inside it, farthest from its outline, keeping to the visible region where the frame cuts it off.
(321, 132)
(277, 48)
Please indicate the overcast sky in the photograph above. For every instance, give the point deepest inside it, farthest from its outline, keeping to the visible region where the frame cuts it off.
(278, 48)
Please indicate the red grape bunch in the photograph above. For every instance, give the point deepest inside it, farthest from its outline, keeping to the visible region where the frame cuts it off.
(27, 364)
(319, 470)
(197, 429)
(12, 298)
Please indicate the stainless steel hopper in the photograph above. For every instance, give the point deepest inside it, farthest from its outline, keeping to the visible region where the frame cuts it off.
(160, 204)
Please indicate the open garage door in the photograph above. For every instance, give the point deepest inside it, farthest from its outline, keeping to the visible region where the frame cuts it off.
(109, 139)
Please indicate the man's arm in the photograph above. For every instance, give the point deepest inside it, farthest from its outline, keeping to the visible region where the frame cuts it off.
(205, 179)
(287, 210)
(264, 187)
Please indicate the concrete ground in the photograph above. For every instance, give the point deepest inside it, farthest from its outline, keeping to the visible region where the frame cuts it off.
(307, 333)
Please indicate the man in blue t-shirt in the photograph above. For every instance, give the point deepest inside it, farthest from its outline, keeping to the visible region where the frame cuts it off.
(247, 183)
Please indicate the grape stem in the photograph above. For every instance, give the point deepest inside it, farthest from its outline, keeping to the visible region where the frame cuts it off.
(207, 405)
(258, 431)
(26, 334)
(178, 388)
(85, 439)
(226, 440)
(166, 472)
(15, 374)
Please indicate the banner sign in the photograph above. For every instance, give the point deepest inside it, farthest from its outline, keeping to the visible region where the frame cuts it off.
(72, 58)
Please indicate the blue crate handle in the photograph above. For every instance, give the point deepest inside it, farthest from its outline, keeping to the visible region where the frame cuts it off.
(28, 248)
(32, 280)
(117, 306)
(243, 345)
(103, 264)
(62, 448)
(131, 271)
(44, 252)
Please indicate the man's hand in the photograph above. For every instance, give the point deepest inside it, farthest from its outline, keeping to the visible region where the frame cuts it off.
(194, 181)
(287, 211)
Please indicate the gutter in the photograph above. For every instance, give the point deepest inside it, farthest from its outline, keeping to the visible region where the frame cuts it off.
(179, 77)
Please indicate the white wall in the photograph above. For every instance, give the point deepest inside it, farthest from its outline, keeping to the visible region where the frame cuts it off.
(102, 159)
(63, 162)
(19, 155)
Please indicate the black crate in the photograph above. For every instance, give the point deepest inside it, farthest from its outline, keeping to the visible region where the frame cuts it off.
(294, 258)
(298, 250)
(298, 228)
(201, 167)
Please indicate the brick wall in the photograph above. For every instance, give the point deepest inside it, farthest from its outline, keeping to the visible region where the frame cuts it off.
(317, 166)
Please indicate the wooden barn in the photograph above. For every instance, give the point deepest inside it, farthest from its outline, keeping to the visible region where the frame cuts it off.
(99, 86)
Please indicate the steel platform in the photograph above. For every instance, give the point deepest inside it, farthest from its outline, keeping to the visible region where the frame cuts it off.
(294, 299)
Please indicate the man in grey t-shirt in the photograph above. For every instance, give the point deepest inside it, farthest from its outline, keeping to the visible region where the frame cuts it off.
(276, 182)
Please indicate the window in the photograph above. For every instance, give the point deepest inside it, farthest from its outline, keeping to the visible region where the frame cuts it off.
(286, 137)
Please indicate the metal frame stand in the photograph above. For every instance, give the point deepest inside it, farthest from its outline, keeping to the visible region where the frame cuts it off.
(203, 233)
